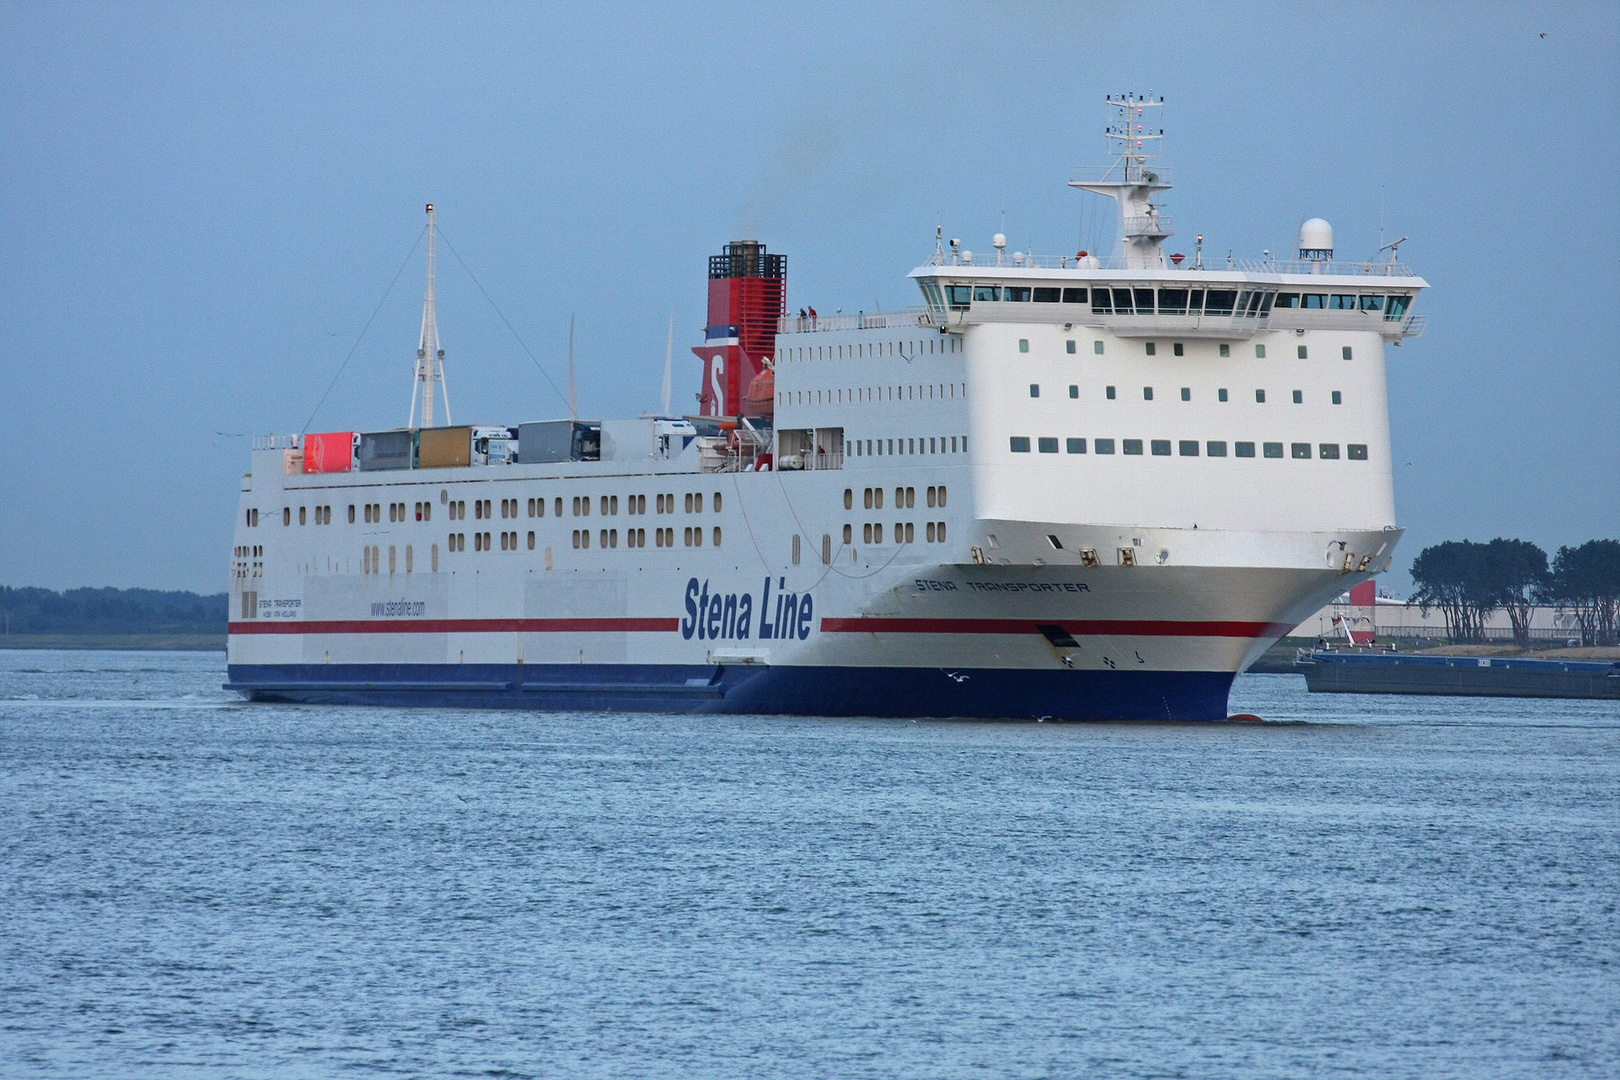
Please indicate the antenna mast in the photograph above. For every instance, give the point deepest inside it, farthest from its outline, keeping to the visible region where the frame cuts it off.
(1134, 134)
(429, 356)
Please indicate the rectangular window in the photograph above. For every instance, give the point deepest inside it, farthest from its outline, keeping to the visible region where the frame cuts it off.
(1340, 302)
(1260, 352)
(1069, 346)
(1301, 451)
(1329, 451)
(1372, 303)
(1020, 444)
(1076, 446)
(1047, 445)
(959, 296)
(1103, 446)
(1187, 447)
(1338, 398)
(1122, 301)
(1133, 446)
(1217, 448)
(1299, 397)
(1358, 451)
(1287, 300)
(1016, 294)
(1179, 349)
(1226, 350)
(1074, 296)
(1023, 344)
(1152, 348)
(1220, 394)
(1314, 301)
(1186, 393)
(1346, 352)
(1243, 449)
(1147, 393)
(1034, 389)
(1074, 390)
(1172, 301)
(1161, 447)
(987, 292)
(1097, 347)
(1220, 301)
(1048, 296)
(1144, 301)
(1302, 352)
(1110, 393)
(1099, 302)
(1195, 302)
(1272, 449)
(1260, 396)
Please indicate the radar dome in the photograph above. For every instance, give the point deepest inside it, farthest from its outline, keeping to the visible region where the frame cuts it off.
(1315, 239)
(999, 240)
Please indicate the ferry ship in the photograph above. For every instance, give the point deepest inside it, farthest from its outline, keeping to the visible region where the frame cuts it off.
(1070, 487)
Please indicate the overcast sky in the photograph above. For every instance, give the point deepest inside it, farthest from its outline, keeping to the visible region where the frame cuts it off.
(201, 206)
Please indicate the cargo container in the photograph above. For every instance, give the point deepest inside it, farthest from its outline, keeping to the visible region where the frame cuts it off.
(445, 447)
(387, 450)
(329, 452)
(559, 440)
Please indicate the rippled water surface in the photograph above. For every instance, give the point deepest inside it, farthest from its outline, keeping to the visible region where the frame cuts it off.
(1373, 886)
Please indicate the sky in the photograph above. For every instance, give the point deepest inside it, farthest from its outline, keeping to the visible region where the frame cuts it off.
(202, 207)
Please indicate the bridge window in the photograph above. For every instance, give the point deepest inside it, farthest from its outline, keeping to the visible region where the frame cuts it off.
(960, 297)
(1048, 296)
(1015, 294)
(1341, 302)
(1099, 302)
(1220, 301)
(1286, 300)
(987, 292)
(1172, 301)
(1074, 296)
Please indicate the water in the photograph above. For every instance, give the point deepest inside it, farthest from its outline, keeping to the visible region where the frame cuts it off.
(1377, 886)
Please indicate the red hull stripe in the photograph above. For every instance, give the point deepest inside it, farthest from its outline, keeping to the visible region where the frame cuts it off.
(1081, 628)
(458, 626)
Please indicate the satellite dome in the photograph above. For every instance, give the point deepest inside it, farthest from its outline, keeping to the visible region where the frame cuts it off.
(1315, 239)
(999, 240)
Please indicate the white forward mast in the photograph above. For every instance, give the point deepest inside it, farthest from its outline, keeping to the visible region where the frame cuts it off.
(429, 356)
(1131, 182)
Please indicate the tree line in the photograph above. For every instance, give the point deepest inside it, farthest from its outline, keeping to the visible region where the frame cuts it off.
(1468, 581)
(111, 611)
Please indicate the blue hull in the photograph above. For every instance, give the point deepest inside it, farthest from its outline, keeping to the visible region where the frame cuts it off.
(808, 691)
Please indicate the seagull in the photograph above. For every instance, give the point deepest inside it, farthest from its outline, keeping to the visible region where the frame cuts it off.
(1043, 719)
(958, 676)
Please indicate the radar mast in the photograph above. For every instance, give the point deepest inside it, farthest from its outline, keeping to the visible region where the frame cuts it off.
(429, 356)
(1134, 134)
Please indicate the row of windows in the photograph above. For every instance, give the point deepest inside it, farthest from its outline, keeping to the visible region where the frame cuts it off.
(1109, 392)
(941, 444)
(854, 395)
(904, 497)
(1047, 444)
(1150, 301)
(904, 532)
(867, 349)
(635, 538)
(1151, 348)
